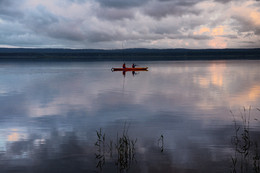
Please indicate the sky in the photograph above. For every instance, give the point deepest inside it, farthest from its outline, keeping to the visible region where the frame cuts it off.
(113, 24)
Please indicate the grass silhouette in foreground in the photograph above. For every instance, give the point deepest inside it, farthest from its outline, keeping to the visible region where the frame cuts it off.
(124, 150)
(246, 157)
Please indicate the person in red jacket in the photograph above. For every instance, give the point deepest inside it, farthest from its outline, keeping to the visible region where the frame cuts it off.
(124, 65)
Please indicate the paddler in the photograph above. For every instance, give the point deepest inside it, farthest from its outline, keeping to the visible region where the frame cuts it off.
(124, 65)
(133, 65)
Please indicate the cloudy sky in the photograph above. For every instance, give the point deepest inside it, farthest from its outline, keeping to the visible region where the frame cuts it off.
(109, 24)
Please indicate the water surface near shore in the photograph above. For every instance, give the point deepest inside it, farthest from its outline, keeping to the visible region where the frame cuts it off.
(176, 116)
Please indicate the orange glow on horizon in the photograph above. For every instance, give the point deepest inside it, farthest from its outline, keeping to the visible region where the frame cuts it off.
(218, 43)
(217, 31)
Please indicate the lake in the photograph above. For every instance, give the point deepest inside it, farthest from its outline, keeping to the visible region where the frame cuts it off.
(179, 116)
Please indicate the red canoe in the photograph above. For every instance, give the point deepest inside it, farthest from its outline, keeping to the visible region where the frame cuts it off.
(130, 69)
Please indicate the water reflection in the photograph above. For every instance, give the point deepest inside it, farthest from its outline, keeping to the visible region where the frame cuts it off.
(68, 153)
(178, 111)
(214, 77)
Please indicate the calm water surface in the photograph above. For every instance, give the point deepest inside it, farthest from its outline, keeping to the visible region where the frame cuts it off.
(81, 117)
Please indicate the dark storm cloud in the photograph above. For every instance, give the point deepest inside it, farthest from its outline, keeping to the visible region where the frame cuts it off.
(122, 3)
(198, 37)
(182, 2)
(230, 36)
(87, 22)
(223, 1)
(103, 36)
(9, 10)
(115, 14)
(96, 36)
(41, 18)
(163, 29)
(42, 21)
(160, 9)
(174, 33)
(77, 1)
(66, 33)
(242, 24)
(5, 4)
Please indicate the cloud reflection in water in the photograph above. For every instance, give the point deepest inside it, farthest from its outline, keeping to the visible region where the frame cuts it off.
(50, 112)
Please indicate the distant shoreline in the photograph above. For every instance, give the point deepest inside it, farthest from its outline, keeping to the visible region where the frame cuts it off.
(140, 54)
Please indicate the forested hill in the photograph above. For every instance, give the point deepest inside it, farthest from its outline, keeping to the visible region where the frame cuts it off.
(127, 54)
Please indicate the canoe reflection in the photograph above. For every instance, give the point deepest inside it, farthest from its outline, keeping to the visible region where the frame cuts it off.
(133, 73)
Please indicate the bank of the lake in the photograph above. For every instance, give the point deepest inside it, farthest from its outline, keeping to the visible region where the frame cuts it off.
(24, 54)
